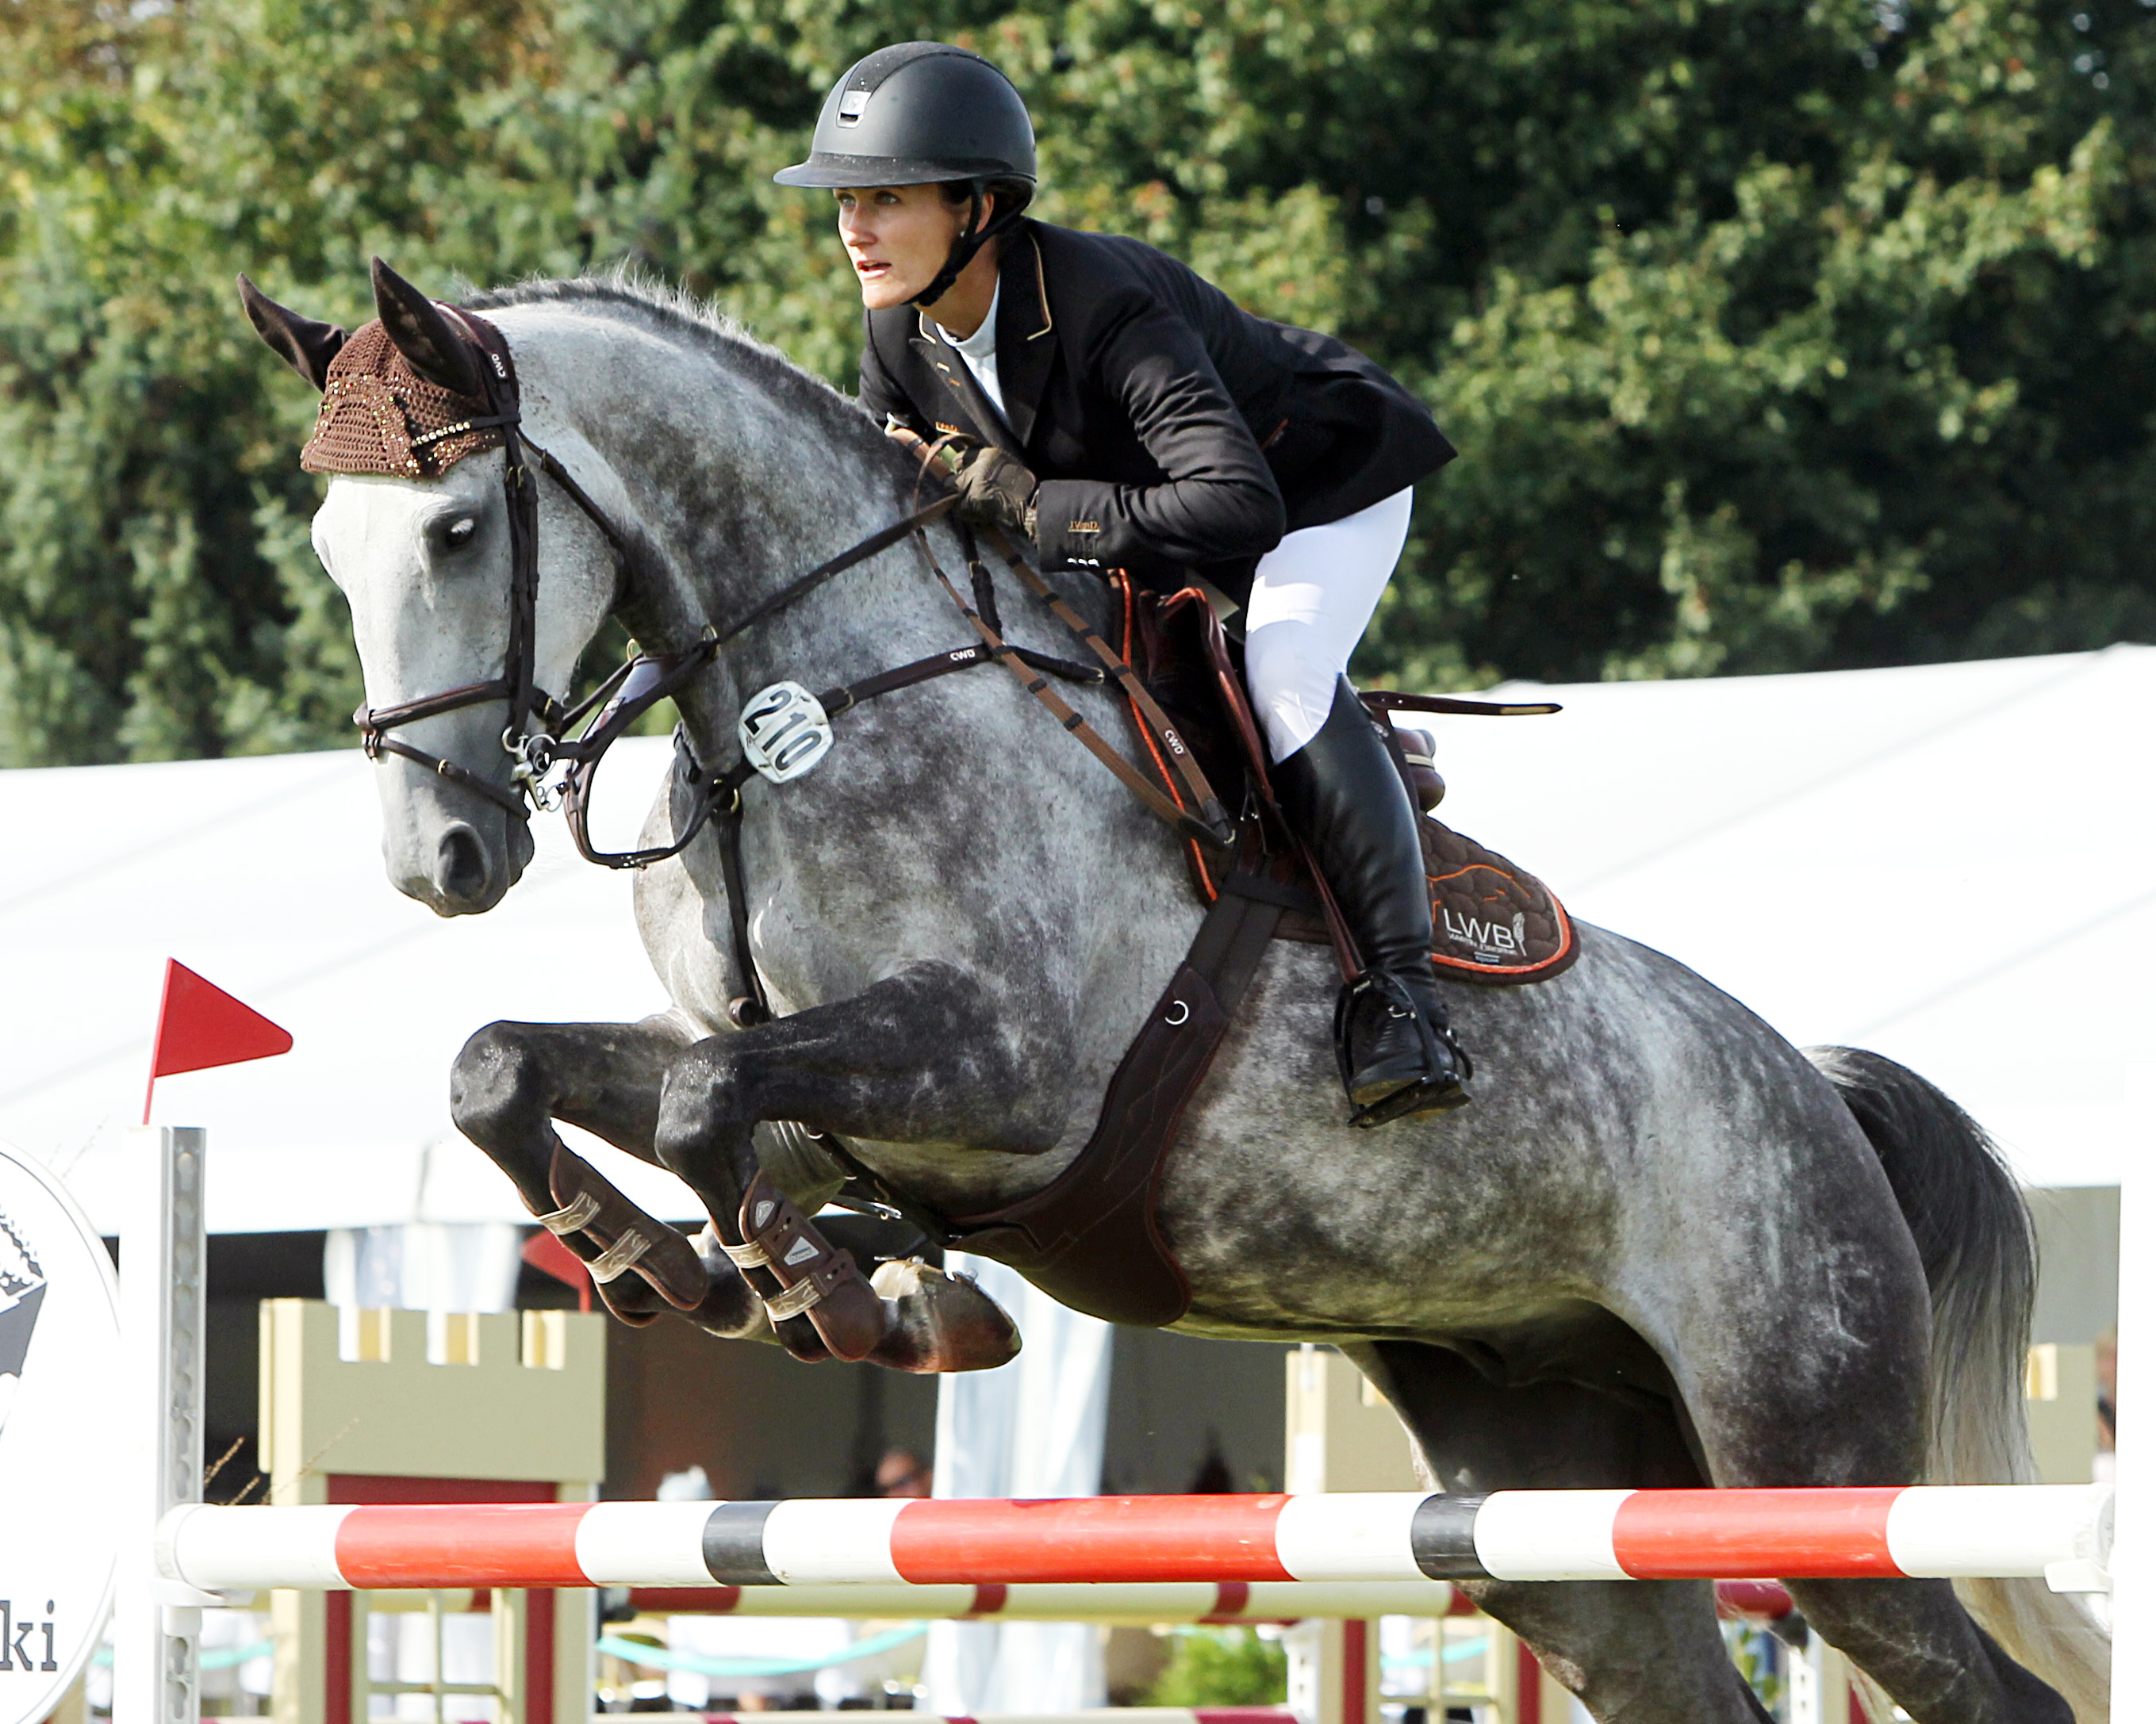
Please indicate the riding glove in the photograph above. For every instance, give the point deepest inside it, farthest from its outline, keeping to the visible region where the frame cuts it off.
(998, 490)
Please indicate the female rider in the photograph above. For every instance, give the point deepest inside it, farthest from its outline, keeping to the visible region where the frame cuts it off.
(1127, 414)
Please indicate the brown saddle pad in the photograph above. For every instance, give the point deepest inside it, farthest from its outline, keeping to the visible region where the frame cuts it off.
(1495, 922)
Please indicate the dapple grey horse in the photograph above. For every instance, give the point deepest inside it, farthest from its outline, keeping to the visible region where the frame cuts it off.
(1663, 1247)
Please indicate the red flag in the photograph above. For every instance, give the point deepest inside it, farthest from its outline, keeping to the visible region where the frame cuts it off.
(200, 1025)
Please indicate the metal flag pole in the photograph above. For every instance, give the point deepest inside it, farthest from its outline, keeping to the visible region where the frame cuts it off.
(157, 1622)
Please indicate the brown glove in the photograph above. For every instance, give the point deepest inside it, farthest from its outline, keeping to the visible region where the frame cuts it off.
(997, 488)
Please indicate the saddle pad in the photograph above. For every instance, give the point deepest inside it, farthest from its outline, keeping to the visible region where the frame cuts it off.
(1495, 923)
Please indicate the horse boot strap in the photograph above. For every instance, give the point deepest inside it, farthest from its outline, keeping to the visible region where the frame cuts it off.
(816, 1280)
(631, 1239)
(574, 1216)
(567, 1223)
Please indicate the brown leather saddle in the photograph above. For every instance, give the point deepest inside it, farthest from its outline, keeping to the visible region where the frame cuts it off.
(1092, 1237)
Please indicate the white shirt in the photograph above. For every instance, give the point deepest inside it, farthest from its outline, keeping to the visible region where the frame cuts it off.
(979, 350)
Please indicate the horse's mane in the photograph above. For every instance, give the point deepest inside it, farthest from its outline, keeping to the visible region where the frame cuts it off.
(629, 294)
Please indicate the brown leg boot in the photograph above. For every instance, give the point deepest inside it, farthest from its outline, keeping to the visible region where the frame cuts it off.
(818, 1281)
(593, 1213)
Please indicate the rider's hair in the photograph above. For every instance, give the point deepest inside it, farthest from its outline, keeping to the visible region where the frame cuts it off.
(1012, 195)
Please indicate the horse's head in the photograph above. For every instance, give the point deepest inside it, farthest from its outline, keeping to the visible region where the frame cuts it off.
(421, 533)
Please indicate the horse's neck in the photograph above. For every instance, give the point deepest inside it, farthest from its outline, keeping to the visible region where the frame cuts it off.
(742, 479)
(738, 487)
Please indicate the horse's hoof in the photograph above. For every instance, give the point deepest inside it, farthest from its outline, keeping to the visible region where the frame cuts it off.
(630, 1239)
(940, 1322)
(799, 1337)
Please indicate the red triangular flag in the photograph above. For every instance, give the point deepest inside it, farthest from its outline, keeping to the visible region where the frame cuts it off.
(200, 1025)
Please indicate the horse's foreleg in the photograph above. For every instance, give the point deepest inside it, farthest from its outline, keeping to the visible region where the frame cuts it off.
(510, 1084)
(513, 1080)
(917, 1057)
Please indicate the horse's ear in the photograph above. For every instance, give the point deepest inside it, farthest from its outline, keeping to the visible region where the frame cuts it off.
(418, 330)
(305, 345)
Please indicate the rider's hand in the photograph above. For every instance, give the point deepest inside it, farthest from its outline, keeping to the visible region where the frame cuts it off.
(998, 490)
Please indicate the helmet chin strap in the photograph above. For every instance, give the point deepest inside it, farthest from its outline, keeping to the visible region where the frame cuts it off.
(965, 248)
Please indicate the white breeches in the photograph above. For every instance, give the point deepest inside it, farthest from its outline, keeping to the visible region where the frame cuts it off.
(1312, 599)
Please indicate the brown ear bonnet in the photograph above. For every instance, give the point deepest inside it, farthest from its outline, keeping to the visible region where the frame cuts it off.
(378, 415)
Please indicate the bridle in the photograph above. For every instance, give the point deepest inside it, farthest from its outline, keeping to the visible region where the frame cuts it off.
(533, 750)
(542, 731)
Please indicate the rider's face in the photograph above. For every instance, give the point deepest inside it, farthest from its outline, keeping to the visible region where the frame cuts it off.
(896, 237)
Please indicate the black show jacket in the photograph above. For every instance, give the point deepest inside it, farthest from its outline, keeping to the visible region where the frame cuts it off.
(1171, 430)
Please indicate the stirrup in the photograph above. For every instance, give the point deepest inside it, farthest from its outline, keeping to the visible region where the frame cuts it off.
(1441, 1052)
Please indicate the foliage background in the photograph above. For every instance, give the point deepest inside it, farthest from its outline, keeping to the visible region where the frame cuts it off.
(1775, 335)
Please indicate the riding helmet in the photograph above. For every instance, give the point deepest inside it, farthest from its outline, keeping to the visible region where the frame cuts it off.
(918, 113)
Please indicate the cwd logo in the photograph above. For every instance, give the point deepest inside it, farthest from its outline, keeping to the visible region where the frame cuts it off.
(61, 1455)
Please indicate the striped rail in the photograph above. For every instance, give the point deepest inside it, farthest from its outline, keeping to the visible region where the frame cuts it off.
(1946, 1531)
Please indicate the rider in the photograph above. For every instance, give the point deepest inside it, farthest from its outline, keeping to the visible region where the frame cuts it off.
(1127, 414)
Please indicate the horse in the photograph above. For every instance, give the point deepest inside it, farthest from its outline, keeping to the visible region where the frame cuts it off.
(1662, 1248)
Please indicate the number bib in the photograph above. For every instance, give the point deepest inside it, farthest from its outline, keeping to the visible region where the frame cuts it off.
(784, 731)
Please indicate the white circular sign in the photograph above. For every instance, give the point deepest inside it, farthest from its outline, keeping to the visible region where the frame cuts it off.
(61, 1450)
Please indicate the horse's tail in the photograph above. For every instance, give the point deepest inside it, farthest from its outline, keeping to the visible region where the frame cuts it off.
(1979, 1248)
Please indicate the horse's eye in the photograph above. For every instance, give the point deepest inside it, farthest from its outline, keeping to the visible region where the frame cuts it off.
(459, 533)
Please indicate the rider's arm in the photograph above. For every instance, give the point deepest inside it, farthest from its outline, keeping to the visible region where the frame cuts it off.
(1218, 500)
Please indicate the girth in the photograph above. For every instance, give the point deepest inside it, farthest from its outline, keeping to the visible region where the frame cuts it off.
(1092, 1237)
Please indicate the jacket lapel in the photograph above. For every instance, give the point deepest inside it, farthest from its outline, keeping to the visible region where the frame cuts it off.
(1025, 332)
(952, 370)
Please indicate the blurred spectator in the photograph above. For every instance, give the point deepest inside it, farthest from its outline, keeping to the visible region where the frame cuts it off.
(902, 1473)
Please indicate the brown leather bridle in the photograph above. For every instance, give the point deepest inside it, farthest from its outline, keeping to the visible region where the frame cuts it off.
(518, 685)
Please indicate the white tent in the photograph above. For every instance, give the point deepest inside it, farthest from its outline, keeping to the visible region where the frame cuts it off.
(1955, 864)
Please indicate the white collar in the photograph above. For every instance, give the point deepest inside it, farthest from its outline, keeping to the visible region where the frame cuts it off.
(982, 343)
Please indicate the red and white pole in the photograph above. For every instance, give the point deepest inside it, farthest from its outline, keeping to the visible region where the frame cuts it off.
(1945, 1531)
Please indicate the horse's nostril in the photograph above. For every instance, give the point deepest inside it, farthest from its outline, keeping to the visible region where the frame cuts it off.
(461, 865)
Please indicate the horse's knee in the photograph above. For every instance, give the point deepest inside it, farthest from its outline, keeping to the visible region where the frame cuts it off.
(496, 1085)
(694, 1109)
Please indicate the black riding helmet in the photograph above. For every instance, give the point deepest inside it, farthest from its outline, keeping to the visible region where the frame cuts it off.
(926, 113)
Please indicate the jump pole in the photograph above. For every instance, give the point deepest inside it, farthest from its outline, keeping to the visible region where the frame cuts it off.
(2060, 1531)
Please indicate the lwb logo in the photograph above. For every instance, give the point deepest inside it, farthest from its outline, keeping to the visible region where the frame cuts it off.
(1491, 942)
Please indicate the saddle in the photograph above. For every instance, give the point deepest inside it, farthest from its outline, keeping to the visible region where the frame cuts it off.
(1092, 1237)
(1495, 923)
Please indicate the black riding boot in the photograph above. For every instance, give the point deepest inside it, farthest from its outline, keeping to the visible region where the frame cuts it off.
(1343, 795)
